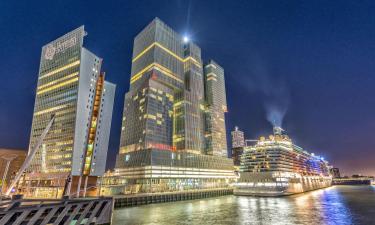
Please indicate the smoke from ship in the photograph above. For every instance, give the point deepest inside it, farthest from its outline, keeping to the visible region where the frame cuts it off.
(274, 89)
(276, 104)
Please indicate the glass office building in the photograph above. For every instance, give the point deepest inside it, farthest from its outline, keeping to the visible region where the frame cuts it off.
(71, 88)
(163, 138)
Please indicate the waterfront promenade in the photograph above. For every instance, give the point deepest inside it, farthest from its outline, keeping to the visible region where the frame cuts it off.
(333, 205)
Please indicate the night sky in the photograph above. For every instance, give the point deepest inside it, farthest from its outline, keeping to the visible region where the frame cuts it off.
(313, 59)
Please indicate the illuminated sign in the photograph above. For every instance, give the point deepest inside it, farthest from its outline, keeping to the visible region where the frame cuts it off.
(61, 46)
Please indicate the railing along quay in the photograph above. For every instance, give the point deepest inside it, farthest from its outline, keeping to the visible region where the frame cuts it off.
(143, 199)
(58, 211)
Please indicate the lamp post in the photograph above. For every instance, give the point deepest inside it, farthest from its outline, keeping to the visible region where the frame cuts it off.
(8, 159)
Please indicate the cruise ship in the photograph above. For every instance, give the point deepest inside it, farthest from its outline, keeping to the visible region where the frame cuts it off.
(275, 166)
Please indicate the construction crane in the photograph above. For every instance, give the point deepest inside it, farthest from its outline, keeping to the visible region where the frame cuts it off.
(30, 155)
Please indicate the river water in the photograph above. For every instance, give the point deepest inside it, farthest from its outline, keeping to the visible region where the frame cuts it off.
(333, 205)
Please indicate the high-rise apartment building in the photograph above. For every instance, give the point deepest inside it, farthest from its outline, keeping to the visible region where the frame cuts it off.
(72, 90)
(163, 142)
(156, 74)
(216, 107)
(166, 90)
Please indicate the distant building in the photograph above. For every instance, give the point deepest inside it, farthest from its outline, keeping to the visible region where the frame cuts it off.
(355, 179)
(15, 159)
(238, 144)
(335, 172)
(238, 138)
(72, 88)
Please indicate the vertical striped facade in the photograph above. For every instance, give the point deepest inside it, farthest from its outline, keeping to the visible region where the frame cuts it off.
(163, 135)
(216, 107)
(71, 87)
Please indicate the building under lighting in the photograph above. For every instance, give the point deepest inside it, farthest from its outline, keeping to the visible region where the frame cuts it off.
(335, 172)
(10, 162)
(173, 127)
(72, 89)
(238, 144)
(216, 107)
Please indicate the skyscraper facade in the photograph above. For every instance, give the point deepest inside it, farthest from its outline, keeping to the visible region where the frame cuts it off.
(163, 143)
(166, 87)
(216, 107)
(72, 90)
(156, 74)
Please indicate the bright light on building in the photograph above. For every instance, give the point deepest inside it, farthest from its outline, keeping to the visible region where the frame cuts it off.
(186, 39)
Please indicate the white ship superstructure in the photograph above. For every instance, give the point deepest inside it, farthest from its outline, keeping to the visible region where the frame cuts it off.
(275, 166)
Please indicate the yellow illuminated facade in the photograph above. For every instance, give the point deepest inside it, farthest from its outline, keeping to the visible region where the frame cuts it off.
(162, 146)
(216, 107)
(89, 154)
(68, 66)
(158, 67)
(57, 94)
(72, 89)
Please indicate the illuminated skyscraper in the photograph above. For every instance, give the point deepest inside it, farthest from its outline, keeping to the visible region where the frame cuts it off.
(162, 108)
(156, 74)
(216, 139)
(71, 87)
(163, 140)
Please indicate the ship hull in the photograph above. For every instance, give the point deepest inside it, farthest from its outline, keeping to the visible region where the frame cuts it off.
(278, 183)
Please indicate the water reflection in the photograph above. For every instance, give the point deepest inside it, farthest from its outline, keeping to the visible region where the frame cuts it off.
(335, 205)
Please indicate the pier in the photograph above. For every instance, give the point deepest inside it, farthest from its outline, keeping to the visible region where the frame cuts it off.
(143, 199)
(352, 181)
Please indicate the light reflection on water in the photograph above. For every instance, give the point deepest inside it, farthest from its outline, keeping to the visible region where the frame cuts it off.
(334, 205)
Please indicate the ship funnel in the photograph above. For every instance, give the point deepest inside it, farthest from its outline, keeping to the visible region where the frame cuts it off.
(278, 131)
